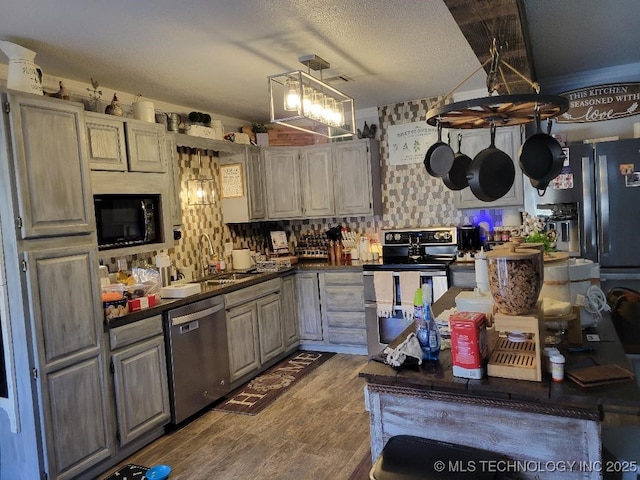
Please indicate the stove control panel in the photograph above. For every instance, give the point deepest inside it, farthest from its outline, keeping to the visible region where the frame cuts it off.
(430, 236)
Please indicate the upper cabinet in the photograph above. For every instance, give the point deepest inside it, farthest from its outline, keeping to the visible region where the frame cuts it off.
(317, 181)
(50, 166)
(357, 183)
(282, 182)
(508, 140)
(337, 179)
(241, 181)
(122, 144)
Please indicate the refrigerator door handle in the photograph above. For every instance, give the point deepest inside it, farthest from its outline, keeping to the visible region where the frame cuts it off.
(589, 241)
(603, 220)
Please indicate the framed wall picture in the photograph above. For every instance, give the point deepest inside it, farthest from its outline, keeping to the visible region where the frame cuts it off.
(232, 184)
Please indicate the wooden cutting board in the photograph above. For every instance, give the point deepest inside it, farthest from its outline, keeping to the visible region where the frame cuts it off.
(597, 375)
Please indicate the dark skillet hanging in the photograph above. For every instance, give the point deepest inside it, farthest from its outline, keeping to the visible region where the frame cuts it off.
(456, 178)
(439, 158)
(541, 187)
(491, 172)
(541, 156)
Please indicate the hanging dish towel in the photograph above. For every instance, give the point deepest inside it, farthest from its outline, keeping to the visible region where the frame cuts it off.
(383, 285)
(409, 283)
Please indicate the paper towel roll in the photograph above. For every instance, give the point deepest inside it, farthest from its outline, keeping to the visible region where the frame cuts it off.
(482, 273)
(241, 259)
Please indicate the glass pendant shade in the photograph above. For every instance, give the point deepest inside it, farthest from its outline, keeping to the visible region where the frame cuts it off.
(201, 191)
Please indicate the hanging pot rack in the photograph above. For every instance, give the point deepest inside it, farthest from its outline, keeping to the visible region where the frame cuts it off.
(497, 110)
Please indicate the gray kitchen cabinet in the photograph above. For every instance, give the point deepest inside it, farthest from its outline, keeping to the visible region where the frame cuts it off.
(146, 149)
(106, 144)
(245, 167)
(125, 144)
(139, 367)
(309, 313)
(290, 330)
(508, 140)
(357, 182)
(282, 168)
(70, 368)
(50, 166)
(270, 327)
(342, 300)
(254, 327)
(317, 181)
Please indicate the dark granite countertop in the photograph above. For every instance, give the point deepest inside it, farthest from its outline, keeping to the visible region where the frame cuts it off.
(438, 376)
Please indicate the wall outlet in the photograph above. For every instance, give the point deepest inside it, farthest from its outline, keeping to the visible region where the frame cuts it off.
(228, 246)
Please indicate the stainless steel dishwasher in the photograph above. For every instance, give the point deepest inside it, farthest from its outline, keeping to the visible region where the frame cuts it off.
(197, 356)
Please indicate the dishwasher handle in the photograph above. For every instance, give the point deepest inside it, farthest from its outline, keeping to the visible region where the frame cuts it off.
(196, 315)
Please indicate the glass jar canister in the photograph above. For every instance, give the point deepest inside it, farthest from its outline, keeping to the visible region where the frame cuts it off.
(515, 279)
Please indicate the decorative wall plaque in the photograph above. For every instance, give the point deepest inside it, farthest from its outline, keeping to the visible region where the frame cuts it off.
(601, 102)
(231, 180)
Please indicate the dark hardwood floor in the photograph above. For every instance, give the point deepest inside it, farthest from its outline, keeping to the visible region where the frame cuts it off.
(316, 430)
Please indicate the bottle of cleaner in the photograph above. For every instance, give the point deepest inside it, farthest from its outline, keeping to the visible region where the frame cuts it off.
(422, 333)
(432, 349)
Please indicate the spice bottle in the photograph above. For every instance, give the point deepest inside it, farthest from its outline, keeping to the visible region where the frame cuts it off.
(332, 253)
(557, 367)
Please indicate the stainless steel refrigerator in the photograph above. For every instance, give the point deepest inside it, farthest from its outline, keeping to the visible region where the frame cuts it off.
(599, 187)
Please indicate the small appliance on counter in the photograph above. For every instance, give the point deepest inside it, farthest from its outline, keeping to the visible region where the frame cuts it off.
(469, 238)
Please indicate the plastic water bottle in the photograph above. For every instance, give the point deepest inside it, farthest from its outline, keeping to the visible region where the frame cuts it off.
(431, 349)
(422, 333)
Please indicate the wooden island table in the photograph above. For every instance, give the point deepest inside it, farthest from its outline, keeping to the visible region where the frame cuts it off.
(547, 430)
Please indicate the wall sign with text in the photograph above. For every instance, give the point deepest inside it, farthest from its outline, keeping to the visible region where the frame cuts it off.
(409, 142)
(602, 102)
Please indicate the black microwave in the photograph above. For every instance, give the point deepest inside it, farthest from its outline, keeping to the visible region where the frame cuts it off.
(127, 220)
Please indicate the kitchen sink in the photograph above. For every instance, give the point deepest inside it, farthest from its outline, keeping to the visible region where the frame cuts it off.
(226, 278)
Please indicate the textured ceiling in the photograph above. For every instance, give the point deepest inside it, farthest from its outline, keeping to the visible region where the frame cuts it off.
(215, 55)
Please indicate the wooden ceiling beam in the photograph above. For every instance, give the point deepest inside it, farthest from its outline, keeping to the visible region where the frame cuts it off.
(483, 20)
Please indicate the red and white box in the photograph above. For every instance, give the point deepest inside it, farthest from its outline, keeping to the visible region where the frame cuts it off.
(141, 303)
(469, 349)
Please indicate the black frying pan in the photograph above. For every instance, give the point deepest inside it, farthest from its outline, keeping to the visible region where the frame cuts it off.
(541, 156)
(456, 178)
(541, 187)
(491, 172)
(439, 158)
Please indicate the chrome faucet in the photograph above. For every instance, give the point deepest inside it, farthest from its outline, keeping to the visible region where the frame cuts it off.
(204, 264)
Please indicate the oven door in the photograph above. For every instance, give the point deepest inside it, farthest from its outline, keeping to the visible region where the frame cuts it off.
(382, 329)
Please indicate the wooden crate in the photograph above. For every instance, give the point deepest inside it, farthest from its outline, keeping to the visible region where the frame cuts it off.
(518, 360)
(280, 135)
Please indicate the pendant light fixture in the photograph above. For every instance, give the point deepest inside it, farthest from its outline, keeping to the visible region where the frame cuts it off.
(201, 190)
(303, 102)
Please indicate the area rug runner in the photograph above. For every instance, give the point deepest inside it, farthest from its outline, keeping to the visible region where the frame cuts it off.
(255, 396)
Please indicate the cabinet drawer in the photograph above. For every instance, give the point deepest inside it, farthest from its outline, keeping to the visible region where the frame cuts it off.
(134, 332)
(343, 278)
(348, 336)
(251, 293)
(343, 298)
(346, 319)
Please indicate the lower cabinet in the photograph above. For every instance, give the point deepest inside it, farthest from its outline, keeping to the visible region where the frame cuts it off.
(254, 327)
(289, 305)
(331, 311)
(309, 306)
(342, 297)
(139, 368)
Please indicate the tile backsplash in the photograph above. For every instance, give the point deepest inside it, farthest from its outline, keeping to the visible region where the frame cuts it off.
(410, 196)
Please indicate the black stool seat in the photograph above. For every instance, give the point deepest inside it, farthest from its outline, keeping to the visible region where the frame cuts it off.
(406, 457)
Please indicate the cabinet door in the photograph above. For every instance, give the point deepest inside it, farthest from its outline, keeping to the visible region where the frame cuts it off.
(242, 336)
(141, 389)
(255, 186)
(282, 182)
(270, 327)
(353, 181)
(105, 142)
(317, 181)
(288, 299)
(75, 420)
(50, 166)
(146, 148)
(309, 306)
(507, 140)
